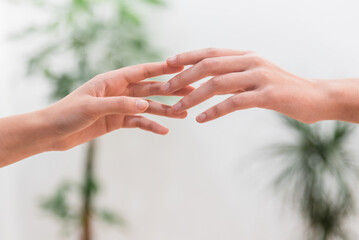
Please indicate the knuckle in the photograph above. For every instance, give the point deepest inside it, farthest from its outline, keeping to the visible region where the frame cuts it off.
(121, 102)
(153, 89)
(181, 57)
(151, 126)
(212, 51)
(256, 60)
(263, 74)
(269, 94)
(215, 83)
(146, 72)
(208, 63)
(269, 98)
(234, 101)
(250, 52)
(214, 112)
(100, 77)
(139, 122)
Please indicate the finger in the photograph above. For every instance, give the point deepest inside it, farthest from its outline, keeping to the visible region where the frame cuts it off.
(149, 70)
(160, 109)
(184, 91)
(147, 88)
(144, 124)
(205, 68)
(223, 84)
(119, 105)
(193, 57)
(239, 101)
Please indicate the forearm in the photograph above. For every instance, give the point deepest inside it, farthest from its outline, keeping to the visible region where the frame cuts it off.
(343, 96)
(22, 136)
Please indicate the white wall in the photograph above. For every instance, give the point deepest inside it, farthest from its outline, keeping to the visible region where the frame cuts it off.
(200, 181)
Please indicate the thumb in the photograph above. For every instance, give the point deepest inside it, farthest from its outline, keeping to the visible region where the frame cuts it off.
(120, 105)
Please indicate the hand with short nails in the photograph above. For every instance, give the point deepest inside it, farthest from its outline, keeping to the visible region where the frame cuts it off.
(108, 102)
(254, 82)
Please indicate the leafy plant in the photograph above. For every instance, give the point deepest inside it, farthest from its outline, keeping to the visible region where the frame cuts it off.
(318, 175)
(81, 39)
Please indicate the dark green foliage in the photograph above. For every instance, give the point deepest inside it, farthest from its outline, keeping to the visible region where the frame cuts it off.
(319, 174)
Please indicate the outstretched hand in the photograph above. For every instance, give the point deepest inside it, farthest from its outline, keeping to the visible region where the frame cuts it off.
(111, 101)
(251, 80)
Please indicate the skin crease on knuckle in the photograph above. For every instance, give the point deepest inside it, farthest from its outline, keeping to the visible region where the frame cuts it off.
(146, 72)
(213, 112)
(208, 64)
(122, 103)
(234, 101)
(216, 83)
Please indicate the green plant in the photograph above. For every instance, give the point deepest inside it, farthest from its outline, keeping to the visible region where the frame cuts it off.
(84, 38)
(318, 175)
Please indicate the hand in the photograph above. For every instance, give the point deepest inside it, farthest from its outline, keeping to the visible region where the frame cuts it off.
(109, 102)
(252, 82)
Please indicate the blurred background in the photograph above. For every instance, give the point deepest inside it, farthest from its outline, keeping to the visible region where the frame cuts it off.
(219, 180)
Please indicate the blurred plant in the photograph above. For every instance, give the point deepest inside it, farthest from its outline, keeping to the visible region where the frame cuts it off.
(318, 175)
(81, 39)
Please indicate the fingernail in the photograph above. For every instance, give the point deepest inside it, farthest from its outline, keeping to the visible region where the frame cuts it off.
(201, 117)
(165, 87)
(177, 106)
(141, 104)
(172, 60)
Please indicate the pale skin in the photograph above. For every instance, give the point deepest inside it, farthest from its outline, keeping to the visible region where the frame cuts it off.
(108, 102)
(113, 100)
(254, 82)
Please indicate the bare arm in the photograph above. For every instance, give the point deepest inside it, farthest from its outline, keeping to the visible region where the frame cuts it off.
(108, 102)
(22, 136)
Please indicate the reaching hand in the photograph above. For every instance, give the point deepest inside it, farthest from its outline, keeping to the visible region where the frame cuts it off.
(252, 82)
(109, 102)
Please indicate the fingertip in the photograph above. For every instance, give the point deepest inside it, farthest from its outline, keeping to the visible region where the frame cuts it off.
(178, 108)
(163, 131)
(165, 87)
(201, 118)
(184, 114)
(172, 61)
(142, 105)
(181, 115)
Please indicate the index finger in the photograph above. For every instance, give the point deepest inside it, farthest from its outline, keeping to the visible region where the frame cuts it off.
(194, 57)
(141, 72)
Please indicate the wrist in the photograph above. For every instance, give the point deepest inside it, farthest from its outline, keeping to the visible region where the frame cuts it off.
(37, 134)
(46, 137)
(23, 136)
(327, 104)
(341, 100)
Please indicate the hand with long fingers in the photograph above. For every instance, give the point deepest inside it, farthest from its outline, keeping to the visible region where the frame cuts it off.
(107, 102)
(255, 82)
